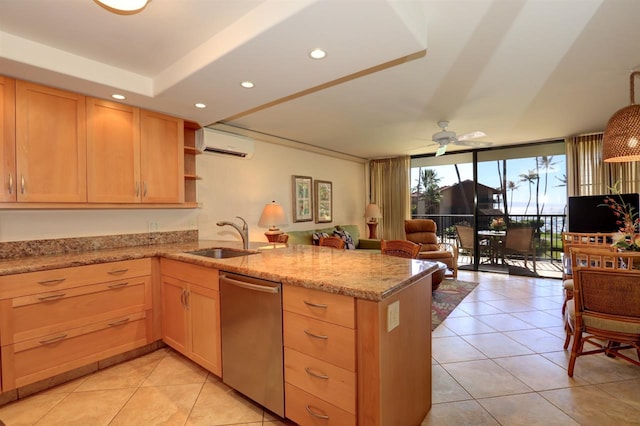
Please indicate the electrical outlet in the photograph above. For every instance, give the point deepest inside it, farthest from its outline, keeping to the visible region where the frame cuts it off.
(152, 226)
(192, 224)
(393, 315)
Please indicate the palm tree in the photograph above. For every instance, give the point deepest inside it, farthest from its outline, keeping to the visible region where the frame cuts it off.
(511, 186)
(431, 183)
(546, 163)
(530, 177)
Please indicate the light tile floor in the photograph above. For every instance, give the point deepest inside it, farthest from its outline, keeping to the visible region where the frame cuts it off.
(497, 360)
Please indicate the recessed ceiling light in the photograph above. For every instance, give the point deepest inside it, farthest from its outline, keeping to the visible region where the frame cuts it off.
(200, 105)
(317, 54)
(118, 96)
(247, 84)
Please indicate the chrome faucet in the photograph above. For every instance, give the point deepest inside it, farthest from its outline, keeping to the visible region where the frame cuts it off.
(244, 231)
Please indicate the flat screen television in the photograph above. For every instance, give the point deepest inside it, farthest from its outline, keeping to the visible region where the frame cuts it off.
(587, 213)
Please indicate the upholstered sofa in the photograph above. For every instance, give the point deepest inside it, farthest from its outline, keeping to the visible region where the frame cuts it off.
(306, 237)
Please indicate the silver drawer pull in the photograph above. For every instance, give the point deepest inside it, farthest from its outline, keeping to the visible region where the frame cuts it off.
(119, 285)
(53, 339)
(316, 305)
(52, 282)
(119, 322)
(314, 374)
(117, 271)
(51, 297)
(314, 414)
(317, 336)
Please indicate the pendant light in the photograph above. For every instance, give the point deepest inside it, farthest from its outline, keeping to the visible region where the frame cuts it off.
(123, 7)
(621, 140)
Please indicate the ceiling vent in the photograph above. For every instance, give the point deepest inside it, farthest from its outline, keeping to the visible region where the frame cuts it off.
(224, 143)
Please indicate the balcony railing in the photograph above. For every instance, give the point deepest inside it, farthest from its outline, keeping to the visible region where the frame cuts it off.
(547, 237)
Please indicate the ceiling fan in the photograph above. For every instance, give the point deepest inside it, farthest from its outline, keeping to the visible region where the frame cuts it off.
(445, 137)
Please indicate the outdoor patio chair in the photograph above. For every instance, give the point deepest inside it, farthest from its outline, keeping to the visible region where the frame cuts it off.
(518, 240)
(465, 237)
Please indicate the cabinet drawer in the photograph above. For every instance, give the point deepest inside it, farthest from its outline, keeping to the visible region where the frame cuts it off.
(206, 277)
(326, 381)
(45, 313)
(306, 409)
(36, 359)
(320, 339)
(57, 279)
(334, 308)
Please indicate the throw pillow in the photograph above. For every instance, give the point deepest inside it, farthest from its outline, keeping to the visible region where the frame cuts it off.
(348, 241)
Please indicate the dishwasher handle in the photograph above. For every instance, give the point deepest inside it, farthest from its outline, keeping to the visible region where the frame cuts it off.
(249, 286)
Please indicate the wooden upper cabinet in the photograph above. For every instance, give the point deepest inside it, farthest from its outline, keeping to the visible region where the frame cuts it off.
(51, 145)
(113, 152)
(162, 158)
(8, 139)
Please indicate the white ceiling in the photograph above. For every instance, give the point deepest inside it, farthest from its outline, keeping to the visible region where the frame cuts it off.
(519, 70)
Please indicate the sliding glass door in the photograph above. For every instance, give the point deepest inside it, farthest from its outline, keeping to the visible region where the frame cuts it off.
(493, 191)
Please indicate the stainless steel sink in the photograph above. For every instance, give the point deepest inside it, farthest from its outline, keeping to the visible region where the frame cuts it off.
(222, 252)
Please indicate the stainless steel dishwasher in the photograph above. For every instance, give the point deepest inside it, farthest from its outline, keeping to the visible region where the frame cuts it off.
(252, 353)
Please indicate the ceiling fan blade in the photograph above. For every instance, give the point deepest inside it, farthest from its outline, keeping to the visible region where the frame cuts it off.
(472, 143)
(472, 135)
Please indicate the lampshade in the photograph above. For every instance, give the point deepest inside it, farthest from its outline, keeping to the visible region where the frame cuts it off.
(621, 140)
(272, 216)
(373, 211)
(123, 6)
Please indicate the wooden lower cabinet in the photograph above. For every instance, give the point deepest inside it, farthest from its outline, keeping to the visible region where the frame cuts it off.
(307, 409)
(319, 357)
(343, 366)
(191, 312)
(58, 320)
(46, 356)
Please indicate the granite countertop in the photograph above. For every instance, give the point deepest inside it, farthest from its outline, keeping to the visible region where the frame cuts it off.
(356, 273)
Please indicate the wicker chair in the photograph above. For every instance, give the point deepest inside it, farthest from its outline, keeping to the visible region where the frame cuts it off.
(579, 240)
(423, 232)
(606, 304)
(335, 242)
(400, 248)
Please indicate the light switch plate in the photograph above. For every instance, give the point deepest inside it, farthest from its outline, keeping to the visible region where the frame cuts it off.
(393, 315)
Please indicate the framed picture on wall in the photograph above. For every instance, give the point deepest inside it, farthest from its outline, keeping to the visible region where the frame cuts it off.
(302, 199)
(324, 201)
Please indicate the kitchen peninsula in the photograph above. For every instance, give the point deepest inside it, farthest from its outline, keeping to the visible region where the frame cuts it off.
(387, 313)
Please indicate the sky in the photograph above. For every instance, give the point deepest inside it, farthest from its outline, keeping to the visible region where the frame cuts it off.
(556, 195)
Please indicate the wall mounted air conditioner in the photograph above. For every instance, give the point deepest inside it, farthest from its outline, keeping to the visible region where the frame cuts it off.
(224, 143)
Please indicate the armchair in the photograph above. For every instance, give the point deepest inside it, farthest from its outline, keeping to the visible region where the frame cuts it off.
(423, 231)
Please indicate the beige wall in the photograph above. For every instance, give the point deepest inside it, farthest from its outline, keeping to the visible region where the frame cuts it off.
(233, 187)
(229, 187)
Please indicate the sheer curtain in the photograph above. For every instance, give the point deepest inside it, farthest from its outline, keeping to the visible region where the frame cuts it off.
(390, 190)
(587, 174)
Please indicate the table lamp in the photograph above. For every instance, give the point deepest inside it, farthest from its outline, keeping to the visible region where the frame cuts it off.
(272, 216)
(372, 213)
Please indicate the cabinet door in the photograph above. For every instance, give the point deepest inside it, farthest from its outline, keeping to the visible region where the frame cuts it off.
(162, 155)
(8, 138)
(204, 327)
(113, 152)
(174, 320)
(51, 144)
